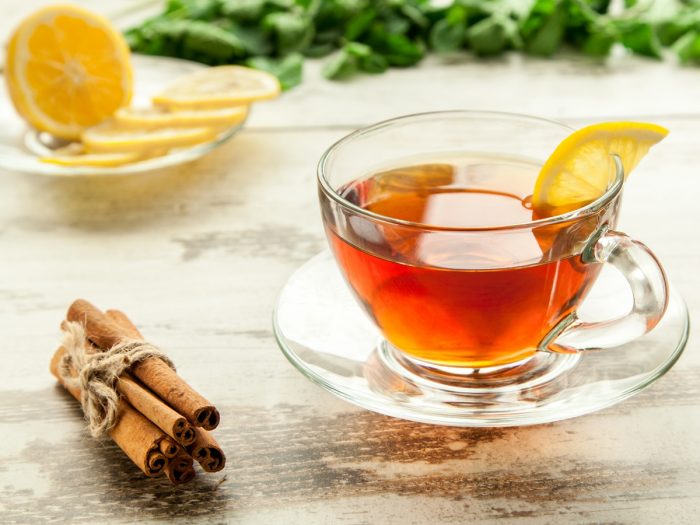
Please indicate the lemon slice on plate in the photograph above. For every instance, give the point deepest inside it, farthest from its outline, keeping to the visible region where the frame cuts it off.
(97, 160)
(110, 137)
(219, 87)
(582, 167)
(67, 69)
(75, 155)
(163, 118)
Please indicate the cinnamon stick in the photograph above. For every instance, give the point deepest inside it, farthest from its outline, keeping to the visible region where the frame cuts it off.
(133, 433)
(207, 451)
(159, 413)
(164, 417)
(168, 448)
(156, 462)
(153, 373)
(180, 469)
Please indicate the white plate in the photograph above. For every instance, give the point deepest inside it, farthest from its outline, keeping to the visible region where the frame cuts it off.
(20, 146)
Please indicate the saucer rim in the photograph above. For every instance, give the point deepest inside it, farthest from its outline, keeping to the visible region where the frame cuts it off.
(368, 401)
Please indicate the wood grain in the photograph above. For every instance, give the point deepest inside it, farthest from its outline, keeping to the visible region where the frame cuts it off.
(196, 255)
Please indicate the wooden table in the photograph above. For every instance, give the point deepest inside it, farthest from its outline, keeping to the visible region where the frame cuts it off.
(197, 256)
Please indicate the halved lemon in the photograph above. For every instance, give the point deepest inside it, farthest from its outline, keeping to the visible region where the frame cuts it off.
(159, 117)
(582, 167)
(219, 87)
(110, 137)
(67, 69)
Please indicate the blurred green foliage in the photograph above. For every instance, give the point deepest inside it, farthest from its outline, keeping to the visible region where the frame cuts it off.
(372, 35)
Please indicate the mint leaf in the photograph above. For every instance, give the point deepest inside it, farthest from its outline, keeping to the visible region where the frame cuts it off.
(688, 47)
(640, 38)
(373, 63)
(288, 70)
(367, 60)
(291, 32)
(399, 50)
(357, 49)
(543, 29)
(598, 45)
(448, 34)
(487, 37)
(359, 24)
(372, 35)
(255, 41)
(340, 65)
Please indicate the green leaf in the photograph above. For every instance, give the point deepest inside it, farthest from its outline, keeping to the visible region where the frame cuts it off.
(448, 33)
(414, 15)
(191, 39)
(676, 24)
(206, 40)
(640, 38)
(543, 29)
(373, 63)
(357, 49)
(688, 47)
(584, 19)
(255, 41)
(599, 44)
(329, 36)
(133, 38)
(399, 50)
(487, 37)
(291, 32)
(367, 60)
(319, 50)
(655, 11)
(288, 70)
(600, 6)
(341, 65)
(253, 11)
(446, 36)
(172, 6)
(203, 10)
(243, 11)
(359, 24)
(349, 7)
(334, 15)
(671, 30)
(395, 24)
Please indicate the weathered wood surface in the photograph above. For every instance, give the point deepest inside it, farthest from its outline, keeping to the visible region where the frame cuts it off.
(196, 255)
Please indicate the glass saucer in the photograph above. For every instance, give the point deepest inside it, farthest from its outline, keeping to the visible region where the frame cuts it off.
(21, 147)
(327, 336)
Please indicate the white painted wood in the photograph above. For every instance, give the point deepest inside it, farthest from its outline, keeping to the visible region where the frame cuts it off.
(197, 254)
(624, 87)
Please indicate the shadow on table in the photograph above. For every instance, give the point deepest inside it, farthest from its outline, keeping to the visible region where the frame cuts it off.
(125, 202)
(290, 455)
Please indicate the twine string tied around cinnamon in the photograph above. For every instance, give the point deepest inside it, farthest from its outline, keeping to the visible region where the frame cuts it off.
(97, 373)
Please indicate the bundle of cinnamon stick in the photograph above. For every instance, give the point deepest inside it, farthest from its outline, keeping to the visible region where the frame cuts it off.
(162, 424)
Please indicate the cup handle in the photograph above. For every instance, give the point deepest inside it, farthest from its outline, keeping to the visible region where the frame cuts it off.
(649, 286)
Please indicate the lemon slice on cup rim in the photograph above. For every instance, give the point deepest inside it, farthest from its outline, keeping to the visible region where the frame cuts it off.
(67, 69)
(582, 167)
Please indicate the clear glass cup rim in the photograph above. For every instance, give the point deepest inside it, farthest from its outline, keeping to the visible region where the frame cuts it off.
(584, 211)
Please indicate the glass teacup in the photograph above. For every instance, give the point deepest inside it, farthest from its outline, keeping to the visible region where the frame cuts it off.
(428, 218)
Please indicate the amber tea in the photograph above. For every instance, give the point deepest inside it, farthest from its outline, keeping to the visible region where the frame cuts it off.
(444, 298)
